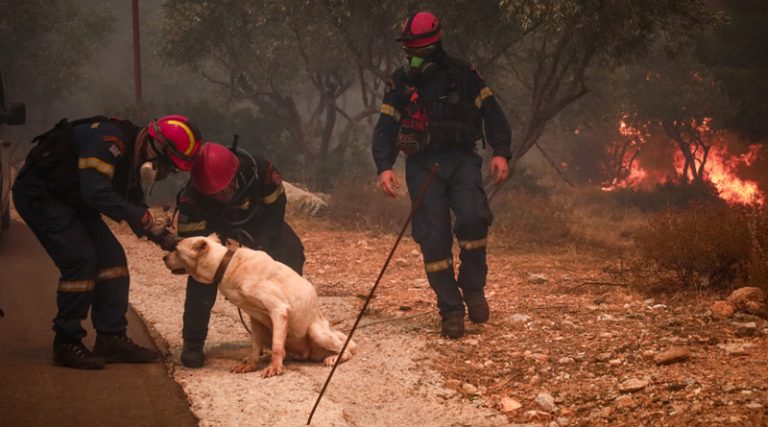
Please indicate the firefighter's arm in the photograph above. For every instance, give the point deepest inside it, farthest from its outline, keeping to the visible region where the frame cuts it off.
(495, 123)
(271, 195)
(385, 133)
(192, 219)
(98, 156)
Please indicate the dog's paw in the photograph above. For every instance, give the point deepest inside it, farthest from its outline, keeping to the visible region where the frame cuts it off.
(273, 370)
(330, 360)
(244, 368)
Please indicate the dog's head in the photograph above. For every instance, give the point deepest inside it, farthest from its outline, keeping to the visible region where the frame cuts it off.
(197, 256)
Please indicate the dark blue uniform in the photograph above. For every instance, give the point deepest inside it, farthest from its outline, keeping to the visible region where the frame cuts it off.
(85, 171)
(460, 107)
(255, 218)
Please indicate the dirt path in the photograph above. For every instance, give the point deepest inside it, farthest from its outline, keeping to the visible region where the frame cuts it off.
(388, 383)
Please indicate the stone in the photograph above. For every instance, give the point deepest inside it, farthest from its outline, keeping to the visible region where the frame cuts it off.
(735, 348)
(673, 355)
(747, 329)
(519, 318)
(562, 421)
(401, 262)
(546, 402)
(614, 362)
(723, 309)
(600, 300)
(632, 385)
(508, 405)
(624, 401)
(754, 405)
(604, 357)
(537, 279)
(415, 253)
(565, 360)
(749, 299)
(468, 389)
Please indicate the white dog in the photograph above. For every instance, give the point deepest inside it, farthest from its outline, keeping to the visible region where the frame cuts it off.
(282, 304)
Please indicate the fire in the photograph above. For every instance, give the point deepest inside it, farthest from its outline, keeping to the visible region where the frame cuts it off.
(722, 167)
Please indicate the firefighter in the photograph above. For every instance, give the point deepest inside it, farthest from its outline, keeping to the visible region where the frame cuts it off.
(435, 109)
(76, 172)
(241, 197)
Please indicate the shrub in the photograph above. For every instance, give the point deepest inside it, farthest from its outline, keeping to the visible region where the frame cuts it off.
(704, 245)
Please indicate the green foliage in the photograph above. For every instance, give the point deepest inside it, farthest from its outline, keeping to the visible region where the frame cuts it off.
(44, 44)
(707, 245)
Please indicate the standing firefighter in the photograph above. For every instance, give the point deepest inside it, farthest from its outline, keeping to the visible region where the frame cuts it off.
(241, 197)
(77, 172)
(435, 110)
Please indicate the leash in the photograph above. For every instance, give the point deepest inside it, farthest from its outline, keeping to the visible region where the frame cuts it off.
(414, 208)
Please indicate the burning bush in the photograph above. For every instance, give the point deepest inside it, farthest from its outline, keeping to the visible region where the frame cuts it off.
(706, 245)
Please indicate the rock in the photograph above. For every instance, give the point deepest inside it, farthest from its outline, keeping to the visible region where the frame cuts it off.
(468, 389)
(606, 318)
(748, 329)
(624, 401)
(401, 262)
(673, 355)
(754, 405)
(519, 318)
(735, 348)
(508, 405)
(446, 393)
(723, 309)
(658, 307)
(606, 412)
(728, 387)
(472, 342)
(632, 385)
(537, 279)
(565, 360)
(604, 357)
(546, 402)
(614, 362)
(649, 302)
(749, 299)
(562, 421)
(600, 300)
(415, 253)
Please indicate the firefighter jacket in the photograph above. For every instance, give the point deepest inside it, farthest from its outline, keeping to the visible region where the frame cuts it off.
(89, 164)
(460, 107)
(257, 208)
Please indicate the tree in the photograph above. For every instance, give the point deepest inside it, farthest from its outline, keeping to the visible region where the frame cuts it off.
(44, 44)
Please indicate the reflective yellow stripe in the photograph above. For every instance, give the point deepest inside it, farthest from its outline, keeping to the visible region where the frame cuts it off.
(443, 264)
(272, 198)
(390, 111)
(189, 133)
(192, 226)
(473, 244)
(93, 163)
(76, 285)
(484, 93)
(245, 205)
(95, 125)
(111, 273)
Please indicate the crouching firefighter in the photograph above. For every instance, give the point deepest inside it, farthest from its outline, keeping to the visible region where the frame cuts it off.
(75, 173)
(241, 197)
(435, 109)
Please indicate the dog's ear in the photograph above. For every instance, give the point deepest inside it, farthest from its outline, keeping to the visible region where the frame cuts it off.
(200, 247)
(214, 237)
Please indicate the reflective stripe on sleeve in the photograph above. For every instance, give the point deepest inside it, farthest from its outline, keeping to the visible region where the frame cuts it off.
(390, 111)
(111, 273)
(192, 226)
(100, 165)
(76, 285)
(473, 244)
(484, 93)
(435, 266)
(272, 198)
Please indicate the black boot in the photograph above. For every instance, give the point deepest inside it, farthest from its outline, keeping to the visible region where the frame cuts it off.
(120, 348)
(73, 354)
(192, 355)
(452, 325)
(477, 306)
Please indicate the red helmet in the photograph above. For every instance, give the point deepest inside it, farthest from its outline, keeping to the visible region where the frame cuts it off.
(420, 29)
(177, 138)
(214, 168)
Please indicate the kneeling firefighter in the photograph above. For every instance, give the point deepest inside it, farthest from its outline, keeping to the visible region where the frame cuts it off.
(435, 109)
(76, 172)
(240, 197)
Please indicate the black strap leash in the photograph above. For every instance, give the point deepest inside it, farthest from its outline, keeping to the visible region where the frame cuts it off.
(414, 208)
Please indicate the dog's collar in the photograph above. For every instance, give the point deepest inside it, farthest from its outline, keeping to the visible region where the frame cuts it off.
(223, 267)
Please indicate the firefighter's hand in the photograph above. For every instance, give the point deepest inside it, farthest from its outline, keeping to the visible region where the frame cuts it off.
(168, 241)
(499, 168)
(154, 227)
(388, 182)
